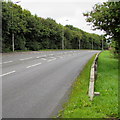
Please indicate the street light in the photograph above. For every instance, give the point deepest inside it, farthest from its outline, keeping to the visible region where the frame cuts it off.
(102, 43)
(92, 44)
(63, 38)
(13, 40)
(79, 43)
(63, 44)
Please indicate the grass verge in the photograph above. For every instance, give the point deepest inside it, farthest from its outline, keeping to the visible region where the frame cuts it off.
(44, 50)
(103, 106)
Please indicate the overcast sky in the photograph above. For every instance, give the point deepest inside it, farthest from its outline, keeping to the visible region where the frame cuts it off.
(62, 10)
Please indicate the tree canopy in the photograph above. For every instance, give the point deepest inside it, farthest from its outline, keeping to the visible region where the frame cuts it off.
(35, 33)
(106, 17)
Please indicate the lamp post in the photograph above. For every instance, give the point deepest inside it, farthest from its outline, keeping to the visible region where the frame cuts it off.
(63, 44)
(63, 38)
(92, 44)
(102, 43)
(79, 43)
(13, 40)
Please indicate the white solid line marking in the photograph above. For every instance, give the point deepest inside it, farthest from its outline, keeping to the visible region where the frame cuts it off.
(26, 58)
(7, 73)
(33, 65)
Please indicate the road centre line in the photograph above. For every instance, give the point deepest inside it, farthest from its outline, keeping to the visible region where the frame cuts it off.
(51, 54)
(60, 56)
(52, 57)
(41, 56)
(6, 62)
(33, 65)
(51, 60)
(44, 55)
(43, 59)
(38, 57)
(26, 58)
(7, 73)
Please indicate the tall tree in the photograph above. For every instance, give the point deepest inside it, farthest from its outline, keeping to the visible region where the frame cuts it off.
(106, 17)
(34, 33)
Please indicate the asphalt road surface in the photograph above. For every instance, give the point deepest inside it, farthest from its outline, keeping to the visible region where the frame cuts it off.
(35, 83)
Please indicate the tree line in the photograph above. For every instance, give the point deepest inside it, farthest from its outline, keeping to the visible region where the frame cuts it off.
(35, 33)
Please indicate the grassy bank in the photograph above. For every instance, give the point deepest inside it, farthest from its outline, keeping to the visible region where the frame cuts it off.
(103, 106)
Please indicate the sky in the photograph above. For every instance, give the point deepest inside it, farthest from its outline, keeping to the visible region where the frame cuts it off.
(65, 12)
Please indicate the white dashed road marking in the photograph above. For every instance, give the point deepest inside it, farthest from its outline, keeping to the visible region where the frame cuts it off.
(51, 59)
(50, 54)
(43, 59)
(6, 62)
(38, 57)
(26, 58)
(41, 56)
(7, 73)
(60, 56)
(33, 65)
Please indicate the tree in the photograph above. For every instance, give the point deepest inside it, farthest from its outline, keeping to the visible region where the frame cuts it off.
(106, 17)
(34, 33)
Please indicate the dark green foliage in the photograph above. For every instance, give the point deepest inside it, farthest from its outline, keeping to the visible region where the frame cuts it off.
(34, 33)
(106, 17)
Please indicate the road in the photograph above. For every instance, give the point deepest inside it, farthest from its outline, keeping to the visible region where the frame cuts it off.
(36, 83)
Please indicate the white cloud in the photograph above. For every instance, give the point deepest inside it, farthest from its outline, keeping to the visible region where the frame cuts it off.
(60, 10)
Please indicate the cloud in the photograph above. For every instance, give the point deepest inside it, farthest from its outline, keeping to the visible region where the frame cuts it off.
(60, 10)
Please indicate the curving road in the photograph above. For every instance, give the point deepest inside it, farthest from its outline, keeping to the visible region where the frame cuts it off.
(36, 83)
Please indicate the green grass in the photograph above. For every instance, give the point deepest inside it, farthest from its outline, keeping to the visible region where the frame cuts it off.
(103, 106)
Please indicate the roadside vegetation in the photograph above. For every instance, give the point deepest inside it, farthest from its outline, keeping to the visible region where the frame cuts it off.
(103, 106)
(106, 17)
(32, 32)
